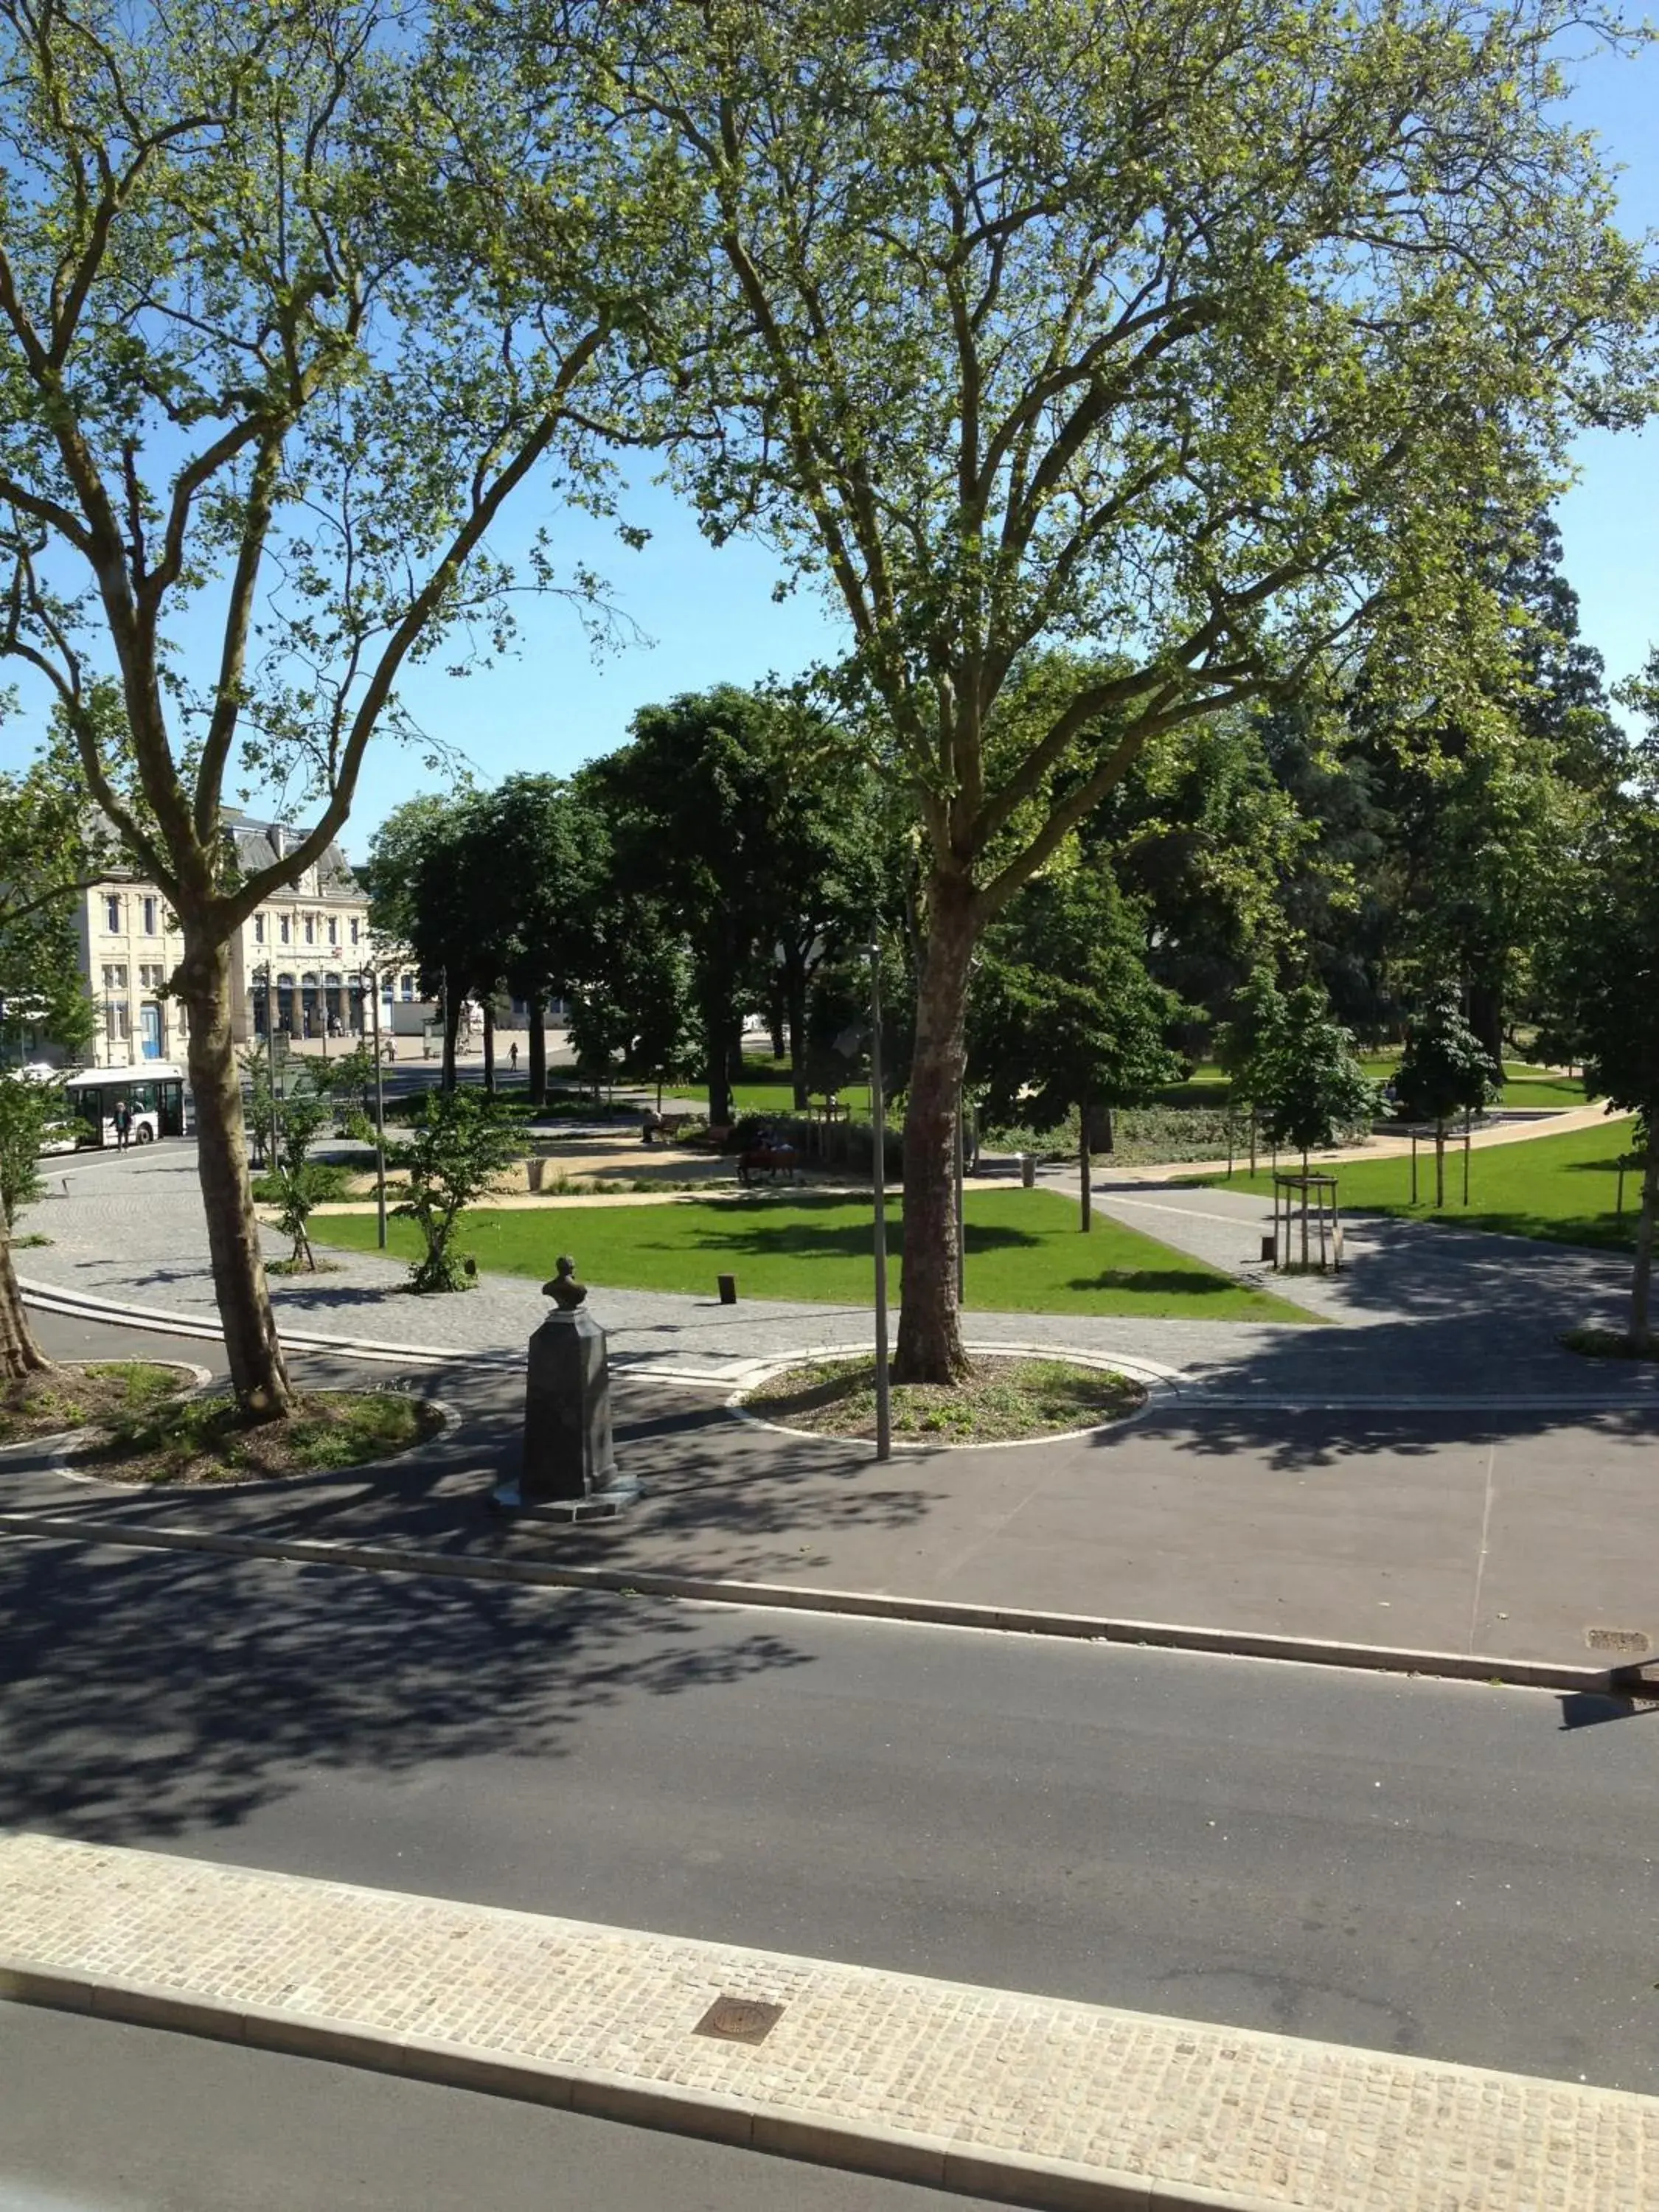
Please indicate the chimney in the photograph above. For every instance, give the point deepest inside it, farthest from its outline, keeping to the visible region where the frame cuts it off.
(277, 834)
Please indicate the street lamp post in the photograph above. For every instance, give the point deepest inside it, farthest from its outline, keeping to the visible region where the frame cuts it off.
(380, 1120)
(878, 1182)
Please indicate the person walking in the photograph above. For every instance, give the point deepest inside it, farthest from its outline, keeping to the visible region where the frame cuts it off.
(122, 1118)
(512, 1056)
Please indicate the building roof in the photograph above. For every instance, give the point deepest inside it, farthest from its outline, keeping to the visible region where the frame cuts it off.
(262, 844)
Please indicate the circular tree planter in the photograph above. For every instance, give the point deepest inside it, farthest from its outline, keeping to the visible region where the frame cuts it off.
(200, 1445)
(56, 1410)
(1008, 1398)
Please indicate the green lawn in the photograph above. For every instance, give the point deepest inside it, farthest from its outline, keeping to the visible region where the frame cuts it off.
(1523, 1085)
(767, 1089)
(1563, 1189)
(1026, 1253)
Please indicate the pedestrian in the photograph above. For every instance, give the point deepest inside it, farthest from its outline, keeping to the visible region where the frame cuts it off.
(122, 1118)
(512, 1056)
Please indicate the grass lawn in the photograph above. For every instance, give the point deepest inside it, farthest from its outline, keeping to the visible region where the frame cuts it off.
(1026, 1253)
(1562, 1188)
(766, 1089)
(1523, 1085)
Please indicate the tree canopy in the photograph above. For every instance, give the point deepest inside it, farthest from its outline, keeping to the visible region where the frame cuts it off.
(1193, 342)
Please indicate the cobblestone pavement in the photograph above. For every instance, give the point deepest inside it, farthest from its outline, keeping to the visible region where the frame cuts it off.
(965, 2074)
(1421, 1312)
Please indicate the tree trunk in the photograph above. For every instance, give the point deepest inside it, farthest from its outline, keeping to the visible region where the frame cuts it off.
(1486, 1017)
(929, 1332)
(257, 1373)
(1641, 1280)
(537, 1054)
(489, 1047)
(1084, 1166)
(20, 1355)
(717, 1062)
(776, 1017)
(794, 993)
(451, 1032)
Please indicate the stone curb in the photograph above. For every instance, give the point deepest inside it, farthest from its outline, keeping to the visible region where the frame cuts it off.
(890, 2153)
(920, 1612)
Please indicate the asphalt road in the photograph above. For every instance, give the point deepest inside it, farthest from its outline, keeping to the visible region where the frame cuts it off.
(96, 2117)
(1459, 1871)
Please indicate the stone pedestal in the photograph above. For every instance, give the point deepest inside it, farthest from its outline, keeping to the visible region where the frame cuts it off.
(570, 1470)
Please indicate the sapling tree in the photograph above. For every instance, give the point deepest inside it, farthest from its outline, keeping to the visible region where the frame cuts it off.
(1445, 1070)
(298, 1120)
(459, 1143)
(1310, 1085)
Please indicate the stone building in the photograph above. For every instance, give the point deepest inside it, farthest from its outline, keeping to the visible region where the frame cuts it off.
(297, 964)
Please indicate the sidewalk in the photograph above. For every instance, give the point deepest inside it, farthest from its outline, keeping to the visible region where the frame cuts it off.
(1510, 1536)
(986, 2091)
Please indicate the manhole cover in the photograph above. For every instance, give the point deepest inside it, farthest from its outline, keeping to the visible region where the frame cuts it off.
(1630, 1641)
(739, 2020)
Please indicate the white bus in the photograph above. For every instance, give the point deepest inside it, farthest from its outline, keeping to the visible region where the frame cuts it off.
(154, 1090)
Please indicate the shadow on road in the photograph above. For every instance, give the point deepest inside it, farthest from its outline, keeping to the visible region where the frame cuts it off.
(149, 1694)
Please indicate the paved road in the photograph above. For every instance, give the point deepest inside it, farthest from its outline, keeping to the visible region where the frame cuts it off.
(96, 2117)
(1458, 1871)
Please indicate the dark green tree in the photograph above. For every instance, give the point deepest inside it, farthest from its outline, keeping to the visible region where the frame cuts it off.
(1610, 981)
(741, 814)
(1064, 1015)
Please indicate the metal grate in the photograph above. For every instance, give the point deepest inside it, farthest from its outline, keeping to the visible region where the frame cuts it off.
(739, 2020)
(1630, 1641)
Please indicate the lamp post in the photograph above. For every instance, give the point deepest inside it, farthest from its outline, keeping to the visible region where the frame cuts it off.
(878, 1183)
(380, 1120)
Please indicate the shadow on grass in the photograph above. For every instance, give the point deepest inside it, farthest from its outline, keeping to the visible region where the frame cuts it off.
(1157, 1282)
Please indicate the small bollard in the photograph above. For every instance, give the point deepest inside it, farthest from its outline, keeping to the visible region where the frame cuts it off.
(1028, 1169)
(728, 1289)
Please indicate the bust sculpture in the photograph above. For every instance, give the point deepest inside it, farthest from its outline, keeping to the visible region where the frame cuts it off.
(566, 1292)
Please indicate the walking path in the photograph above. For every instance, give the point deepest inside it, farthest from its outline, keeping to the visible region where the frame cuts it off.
(1421, 1312)
(986, 2091)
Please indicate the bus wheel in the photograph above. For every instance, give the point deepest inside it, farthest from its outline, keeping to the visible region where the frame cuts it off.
(145, 1133)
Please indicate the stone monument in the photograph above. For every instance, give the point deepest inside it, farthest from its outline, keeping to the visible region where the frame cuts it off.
(570, 1470)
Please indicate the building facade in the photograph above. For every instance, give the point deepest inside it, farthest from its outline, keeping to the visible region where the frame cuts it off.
(302, 963)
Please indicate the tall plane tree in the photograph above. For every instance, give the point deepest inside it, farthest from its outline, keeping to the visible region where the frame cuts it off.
(1185, 337)
(267, 377)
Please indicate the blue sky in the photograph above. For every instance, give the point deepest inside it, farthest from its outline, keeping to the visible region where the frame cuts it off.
(709, 617)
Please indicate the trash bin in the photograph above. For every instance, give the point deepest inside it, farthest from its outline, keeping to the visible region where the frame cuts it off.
(1028, 1169)
(1269, 1248)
